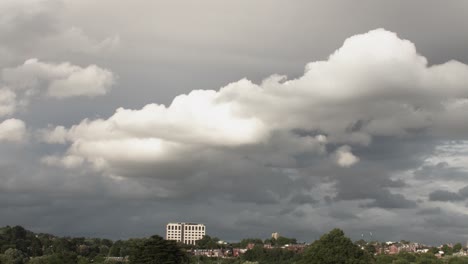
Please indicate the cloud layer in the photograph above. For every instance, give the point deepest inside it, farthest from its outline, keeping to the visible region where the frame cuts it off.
(369, 138)
(375, 85)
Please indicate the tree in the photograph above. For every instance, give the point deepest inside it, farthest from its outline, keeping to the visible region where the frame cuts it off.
(370, 248)
(385, 259)
(281, 241)
(14, 256)
(428, 258)
(408, 257)
(457, 247)
(433, 250)
(333, 248)
(447, 250)
(458, 260)
(208, 242)
(156, 250)
(269, 256)
(361, 242)
(401, 261)
(246, 241)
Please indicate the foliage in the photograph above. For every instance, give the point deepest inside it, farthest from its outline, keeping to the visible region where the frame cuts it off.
(457, 247)
(408, 257)
(335, 247)
(405, 257)
(244, 242)
(433, 250)
(270, 256)
(13, 256)
(428, 258)
(401, 261)
(281, 241)
(458, 260)
(385, 259)
(208, 242)
(155, 250)
(447, 250)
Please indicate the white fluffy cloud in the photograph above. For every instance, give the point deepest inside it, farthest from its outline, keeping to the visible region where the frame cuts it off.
(12, 130)
(59, 80)
(376, 84)
(344, 157)
(53, 135)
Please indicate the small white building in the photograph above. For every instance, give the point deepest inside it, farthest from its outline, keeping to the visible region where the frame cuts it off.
(187, 233)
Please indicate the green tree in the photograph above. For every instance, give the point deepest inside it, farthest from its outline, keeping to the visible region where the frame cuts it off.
(361, 242)
(208, 242)
(385, 259)
(447, 250)
(58, 258)
(433, 250)
(281, 241)
(409, 257)
(14, 256)
(156, 250)
(401, 261)
(269, 256)
(333, 248)
(457, 247)
(370, 248)
(458, 260)
(428, 258)
(246, 241)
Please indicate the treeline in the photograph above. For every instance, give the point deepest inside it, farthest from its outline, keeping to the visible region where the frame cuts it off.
(20, 246)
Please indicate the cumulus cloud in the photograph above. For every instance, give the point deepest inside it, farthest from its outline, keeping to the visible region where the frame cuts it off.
(375, 85)
(53, 135)
(344, 157)
(59, 80)
(12, 130)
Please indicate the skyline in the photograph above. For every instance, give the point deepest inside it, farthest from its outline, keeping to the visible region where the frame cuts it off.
(250, 117)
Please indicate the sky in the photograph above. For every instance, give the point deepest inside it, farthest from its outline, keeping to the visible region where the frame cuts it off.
(252, 117)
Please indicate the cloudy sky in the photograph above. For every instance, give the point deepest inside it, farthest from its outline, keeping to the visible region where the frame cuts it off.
(252, 117)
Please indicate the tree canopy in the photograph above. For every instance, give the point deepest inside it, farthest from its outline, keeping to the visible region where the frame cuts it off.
(333, 248)
(156, 250)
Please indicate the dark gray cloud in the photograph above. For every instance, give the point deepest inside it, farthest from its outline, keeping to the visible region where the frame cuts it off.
(389, 200)
(449, 196)
(430, 211)
(445, 196)
(441, 170)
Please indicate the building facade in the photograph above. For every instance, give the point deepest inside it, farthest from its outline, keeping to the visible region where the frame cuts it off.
(187, 233)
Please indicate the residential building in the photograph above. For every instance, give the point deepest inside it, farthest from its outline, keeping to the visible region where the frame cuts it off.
(187, 233)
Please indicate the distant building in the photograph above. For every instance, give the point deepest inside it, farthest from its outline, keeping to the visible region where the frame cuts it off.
(187, 233)
(275, 235)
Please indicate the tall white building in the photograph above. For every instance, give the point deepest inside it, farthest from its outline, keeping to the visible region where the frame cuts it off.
(187, 233)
